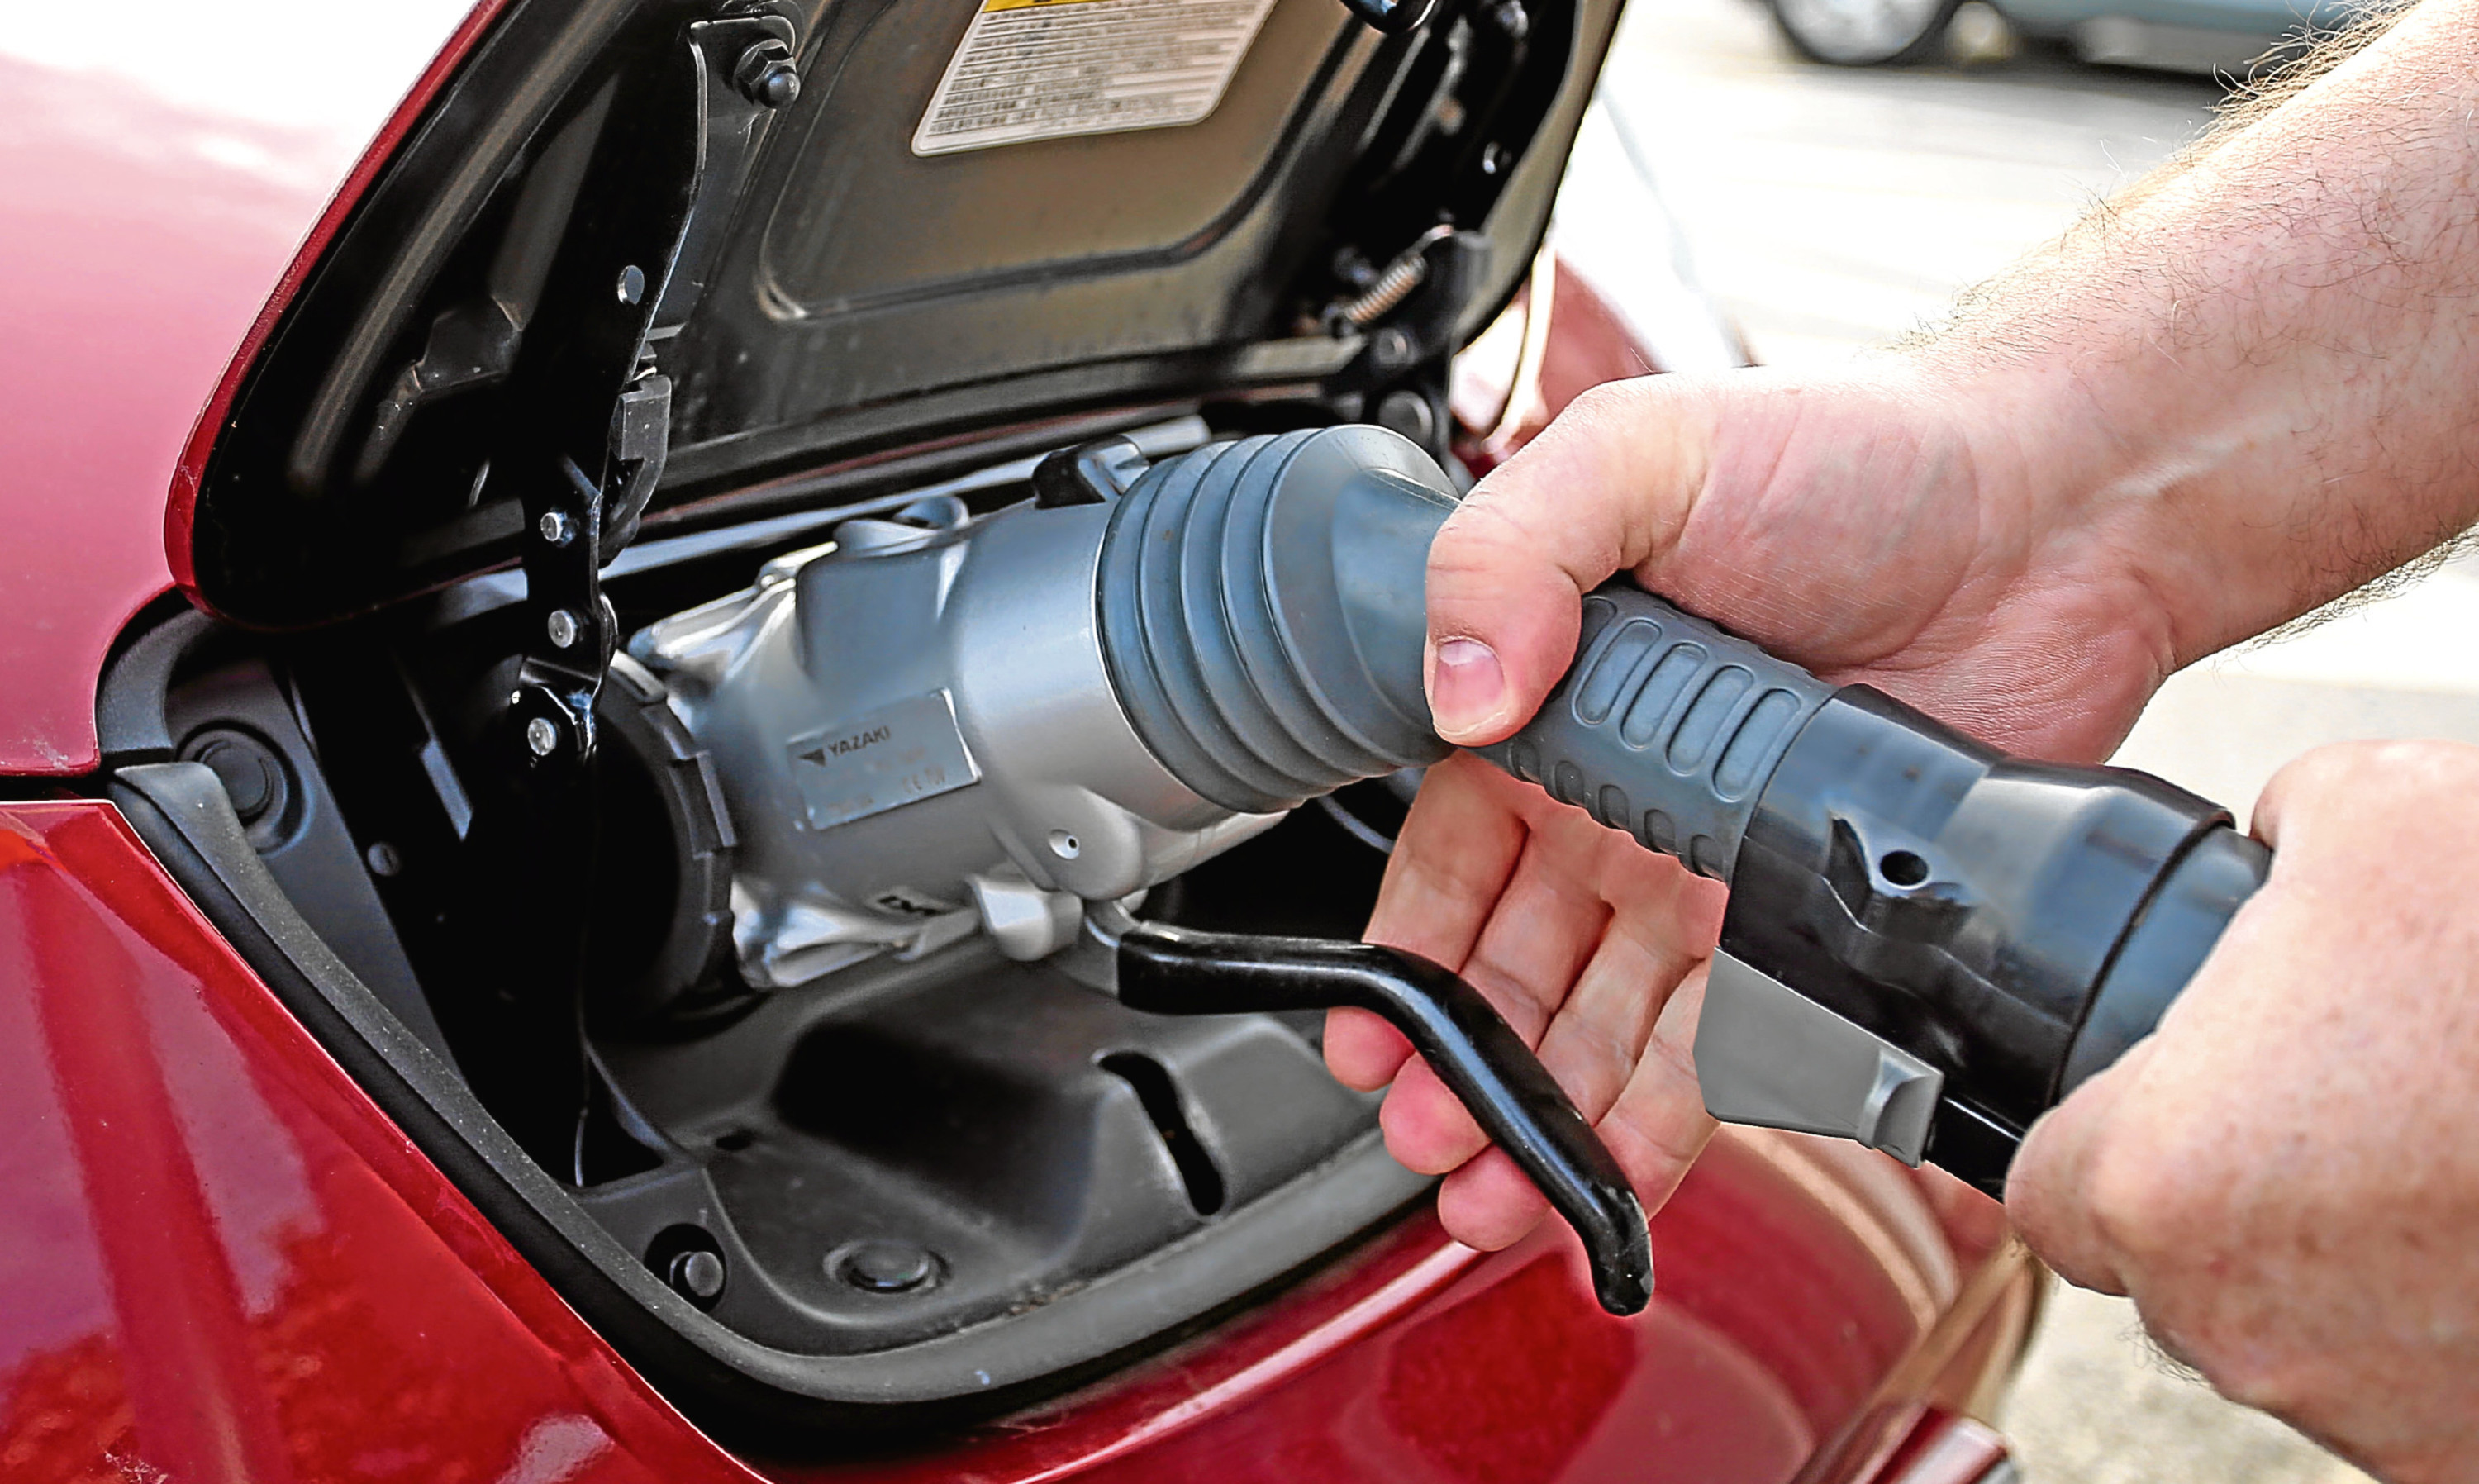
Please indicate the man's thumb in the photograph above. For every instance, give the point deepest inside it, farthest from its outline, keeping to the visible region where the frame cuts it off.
(1502, 626)
(1604, 489)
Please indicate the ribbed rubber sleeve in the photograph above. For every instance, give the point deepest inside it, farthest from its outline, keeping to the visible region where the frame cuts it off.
(1260, 609)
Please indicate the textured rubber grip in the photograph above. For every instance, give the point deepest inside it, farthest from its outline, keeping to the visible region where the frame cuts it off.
(1665, 727)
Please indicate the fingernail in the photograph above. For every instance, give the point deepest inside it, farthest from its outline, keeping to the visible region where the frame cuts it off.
(1467, 688)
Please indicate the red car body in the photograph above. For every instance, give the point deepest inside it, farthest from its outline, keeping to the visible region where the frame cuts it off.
(220, 1261)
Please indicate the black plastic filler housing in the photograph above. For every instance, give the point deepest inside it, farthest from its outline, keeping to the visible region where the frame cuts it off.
(1077, 1183)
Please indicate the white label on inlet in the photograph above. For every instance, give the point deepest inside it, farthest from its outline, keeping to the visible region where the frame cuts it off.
(894, 755)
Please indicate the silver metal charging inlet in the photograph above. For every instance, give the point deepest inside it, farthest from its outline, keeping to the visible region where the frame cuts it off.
(919, 740)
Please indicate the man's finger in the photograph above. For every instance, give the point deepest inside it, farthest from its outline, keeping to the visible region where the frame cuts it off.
(1664, 921)
(1659, 1126)
(1655, 1130)
(1545, 929)
(1592, 1049)
(1490, 1204)
(2049, 1190)
(1451, 860)
(1362, 1050)
(1605, 488)
(1598, 1040)
(2304, 784)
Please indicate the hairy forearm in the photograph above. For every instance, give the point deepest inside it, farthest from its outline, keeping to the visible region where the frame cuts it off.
(2254, 377)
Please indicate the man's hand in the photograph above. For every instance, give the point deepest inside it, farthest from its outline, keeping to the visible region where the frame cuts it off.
(2232, 395)
(1581, 938)
(1865, 526)
(2286, 1175)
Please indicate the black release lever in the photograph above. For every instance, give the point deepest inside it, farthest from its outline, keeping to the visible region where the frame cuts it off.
(1178, 971)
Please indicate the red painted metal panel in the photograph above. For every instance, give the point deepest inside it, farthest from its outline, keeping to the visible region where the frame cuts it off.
(1508, 1376)
(138, 242)
(132, 266)
(1421, 1361)
(219, 1262)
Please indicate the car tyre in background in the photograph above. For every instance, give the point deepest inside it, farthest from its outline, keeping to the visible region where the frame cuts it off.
(1865, 33)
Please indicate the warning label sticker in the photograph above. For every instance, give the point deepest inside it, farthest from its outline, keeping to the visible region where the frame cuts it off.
(1044, 69)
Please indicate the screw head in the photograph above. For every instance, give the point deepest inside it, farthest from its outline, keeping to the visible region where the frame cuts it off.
(562, 627)
(542, 735)
(697, 1274)
(556, 528)
(632, 284)
(251, 775)
(885, 1266)
(1390, 348)
(382, 859)
(765, 75)
(779, 85)
(1407, 413)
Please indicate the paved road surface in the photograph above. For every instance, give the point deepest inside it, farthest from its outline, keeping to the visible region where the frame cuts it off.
(1831, 211)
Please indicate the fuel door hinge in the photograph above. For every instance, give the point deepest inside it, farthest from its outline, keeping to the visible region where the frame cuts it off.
(583, 449)
(649, 224)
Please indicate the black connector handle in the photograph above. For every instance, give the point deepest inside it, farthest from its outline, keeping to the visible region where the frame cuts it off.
(1510, 1095)
(1979, 932)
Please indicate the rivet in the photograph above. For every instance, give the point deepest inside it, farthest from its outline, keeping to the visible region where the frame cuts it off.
(556, 527)
(885, 1266)
(542, 735)
(632, 284)
(697, 1274)
(562, 627)
(251, 775)
(1407, 413)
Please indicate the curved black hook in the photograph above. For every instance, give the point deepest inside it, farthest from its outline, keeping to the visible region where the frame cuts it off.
(1176, 971)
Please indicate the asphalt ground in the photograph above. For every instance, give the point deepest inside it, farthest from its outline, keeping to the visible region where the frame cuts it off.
(1829, 212)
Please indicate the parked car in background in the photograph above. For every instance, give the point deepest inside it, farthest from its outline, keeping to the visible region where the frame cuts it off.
(2186, 36)
(383, 1112)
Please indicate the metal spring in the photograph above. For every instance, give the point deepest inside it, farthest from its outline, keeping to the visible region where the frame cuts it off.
(1394, 286)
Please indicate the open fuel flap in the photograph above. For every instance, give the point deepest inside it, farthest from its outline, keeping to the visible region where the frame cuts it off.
(601, 704)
